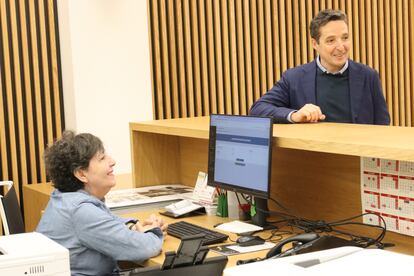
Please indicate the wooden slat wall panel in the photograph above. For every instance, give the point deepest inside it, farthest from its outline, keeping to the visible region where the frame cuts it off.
(173, 54)
(241, 69)
(388, 63)
(204, 97)
(31, 107)
(219, 56)
(406, 69)
(247, 54)
(276, 40)
(225, 32)
(222, 55)
(212, 92)
(255, 49)
(234, 95)
(394, 65)
(410, 26)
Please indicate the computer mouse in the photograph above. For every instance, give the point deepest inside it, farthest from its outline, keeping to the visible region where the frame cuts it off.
(249, 240)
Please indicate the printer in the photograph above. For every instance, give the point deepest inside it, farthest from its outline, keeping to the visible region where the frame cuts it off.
(32, 254)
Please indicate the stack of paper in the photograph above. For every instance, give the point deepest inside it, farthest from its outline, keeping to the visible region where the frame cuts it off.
(239, 227)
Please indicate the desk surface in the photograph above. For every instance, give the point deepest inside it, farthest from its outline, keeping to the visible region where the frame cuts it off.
(39, 194)
(172, 243)
(351, 139)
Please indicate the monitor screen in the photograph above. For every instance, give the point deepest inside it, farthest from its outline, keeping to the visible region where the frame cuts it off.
(240, 150)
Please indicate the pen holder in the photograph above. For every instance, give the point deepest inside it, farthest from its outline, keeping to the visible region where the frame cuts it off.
(222, 208)
(244, 212)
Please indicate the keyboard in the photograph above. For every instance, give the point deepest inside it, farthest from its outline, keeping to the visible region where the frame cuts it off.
(182, 229)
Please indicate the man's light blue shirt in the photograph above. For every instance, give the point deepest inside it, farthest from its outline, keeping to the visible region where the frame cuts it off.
(323, 69)
(95, 237)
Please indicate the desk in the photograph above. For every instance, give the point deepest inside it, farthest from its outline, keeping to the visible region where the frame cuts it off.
(172, 243)
(315, 167)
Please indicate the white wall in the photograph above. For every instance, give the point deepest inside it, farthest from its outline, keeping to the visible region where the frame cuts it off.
(106, 70)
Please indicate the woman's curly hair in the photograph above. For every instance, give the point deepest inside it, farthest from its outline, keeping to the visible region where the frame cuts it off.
(68, 154)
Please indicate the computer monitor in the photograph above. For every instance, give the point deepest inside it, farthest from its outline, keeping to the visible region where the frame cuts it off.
(240, 157)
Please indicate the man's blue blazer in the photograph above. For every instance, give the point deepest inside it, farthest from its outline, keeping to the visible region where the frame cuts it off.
(297, 88)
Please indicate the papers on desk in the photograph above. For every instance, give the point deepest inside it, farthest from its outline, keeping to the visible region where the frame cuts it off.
(233, 249)
(239, 227)
(180, 208)
(150, 195)
(160, 195)
(202, 192)
(246, 249)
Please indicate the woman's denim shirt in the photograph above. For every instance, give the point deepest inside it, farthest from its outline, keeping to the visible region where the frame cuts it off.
(95, 237)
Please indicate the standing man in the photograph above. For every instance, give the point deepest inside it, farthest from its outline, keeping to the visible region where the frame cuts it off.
(331, 88)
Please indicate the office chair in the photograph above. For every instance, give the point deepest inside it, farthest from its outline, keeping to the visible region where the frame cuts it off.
(10, 212)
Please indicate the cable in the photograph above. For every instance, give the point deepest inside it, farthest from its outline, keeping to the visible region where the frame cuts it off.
(320, 226)
(364, 241)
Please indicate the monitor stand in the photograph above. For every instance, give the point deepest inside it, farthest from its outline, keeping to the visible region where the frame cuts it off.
(262, 212)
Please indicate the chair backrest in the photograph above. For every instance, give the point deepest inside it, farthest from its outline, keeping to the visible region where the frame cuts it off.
(10, 212)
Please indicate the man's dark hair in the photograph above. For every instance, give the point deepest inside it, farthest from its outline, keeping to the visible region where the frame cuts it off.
(68, 154)
(323, 18)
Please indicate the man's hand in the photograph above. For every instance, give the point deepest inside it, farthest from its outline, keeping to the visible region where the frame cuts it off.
(309, 113)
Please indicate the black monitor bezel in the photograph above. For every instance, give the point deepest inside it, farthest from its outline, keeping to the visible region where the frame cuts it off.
(231, 187)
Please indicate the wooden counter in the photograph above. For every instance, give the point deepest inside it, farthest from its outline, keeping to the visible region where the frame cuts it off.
(315, 167)
(350, 139)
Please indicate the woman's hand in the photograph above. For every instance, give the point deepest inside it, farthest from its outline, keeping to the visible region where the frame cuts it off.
(152, 222)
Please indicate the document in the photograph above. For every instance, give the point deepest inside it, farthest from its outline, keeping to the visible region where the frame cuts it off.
(233, 249)
(202, 192)
(147, 195)
(239, 227)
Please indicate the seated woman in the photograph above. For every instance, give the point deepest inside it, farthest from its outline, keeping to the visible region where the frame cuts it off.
(77, 217)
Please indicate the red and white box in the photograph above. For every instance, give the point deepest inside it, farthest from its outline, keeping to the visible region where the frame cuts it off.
(406, 226)
(389, 204)
(389, 184)
(371, 218)
(406, 186)
(371, 201)
(371, 164)
(371, 181)
(389, 166)
(391, 221)
(406, 207)
(406, 168)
